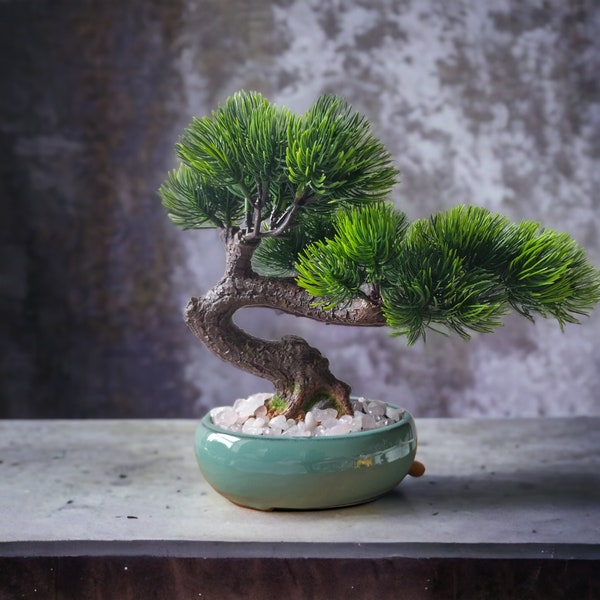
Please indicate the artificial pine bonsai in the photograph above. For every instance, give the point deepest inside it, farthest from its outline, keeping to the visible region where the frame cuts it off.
(300, 203)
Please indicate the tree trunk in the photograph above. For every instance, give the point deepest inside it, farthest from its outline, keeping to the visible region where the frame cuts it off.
(299, 372)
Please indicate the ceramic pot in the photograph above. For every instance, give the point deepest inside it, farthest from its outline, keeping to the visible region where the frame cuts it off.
(269, 473)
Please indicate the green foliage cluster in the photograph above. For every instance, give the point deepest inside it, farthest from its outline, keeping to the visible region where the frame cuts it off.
(253, 165)
(462, 269)
(363, 250)
(332, 153)
(312, 188)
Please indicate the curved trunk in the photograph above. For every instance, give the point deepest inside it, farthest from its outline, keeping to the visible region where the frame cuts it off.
(299, 372)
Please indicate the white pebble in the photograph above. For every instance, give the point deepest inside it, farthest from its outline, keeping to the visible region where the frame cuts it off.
(323, 414)
(368, 422)
(249, 415)
(261, 411)
(375, 408)
(357, 422)
(329, 423)
(248, 426)
(339, 429)
(224, 416)
(358, 406)
(394, 413)
(310, 421)
(292, 431)
(246, 407)
(278, 423)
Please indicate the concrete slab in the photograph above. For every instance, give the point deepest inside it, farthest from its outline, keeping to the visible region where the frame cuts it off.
(493, 489)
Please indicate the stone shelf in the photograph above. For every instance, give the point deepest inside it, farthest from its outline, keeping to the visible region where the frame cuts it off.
(119, 509)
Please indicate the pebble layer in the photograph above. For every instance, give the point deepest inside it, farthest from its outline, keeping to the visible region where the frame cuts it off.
(249, 415)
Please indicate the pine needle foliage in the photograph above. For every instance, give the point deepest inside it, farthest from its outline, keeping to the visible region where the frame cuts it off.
(361, 252)
(277, 256)
(266, 165)
(240, 144)
(332, 153)
(312, 190)
(448, 276)
(551, 276)
(193, 203)
(369, 236)
(459, 270)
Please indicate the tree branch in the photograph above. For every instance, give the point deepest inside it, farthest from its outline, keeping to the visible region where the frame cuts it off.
(283, 223)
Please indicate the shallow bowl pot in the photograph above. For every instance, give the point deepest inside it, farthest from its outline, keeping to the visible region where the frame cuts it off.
(299, 473)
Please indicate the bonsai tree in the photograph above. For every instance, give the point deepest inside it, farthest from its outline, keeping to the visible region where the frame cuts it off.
(300, 204)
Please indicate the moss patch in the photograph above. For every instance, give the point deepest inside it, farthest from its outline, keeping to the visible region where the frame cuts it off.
(276, 405)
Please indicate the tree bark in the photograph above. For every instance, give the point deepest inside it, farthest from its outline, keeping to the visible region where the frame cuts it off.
(299, 373)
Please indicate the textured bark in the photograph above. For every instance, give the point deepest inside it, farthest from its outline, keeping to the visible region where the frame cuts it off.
(299, 372)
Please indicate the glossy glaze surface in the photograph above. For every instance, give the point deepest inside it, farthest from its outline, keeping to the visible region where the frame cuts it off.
(270, 473)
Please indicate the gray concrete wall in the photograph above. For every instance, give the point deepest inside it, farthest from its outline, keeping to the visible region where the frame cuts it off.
(495, 104)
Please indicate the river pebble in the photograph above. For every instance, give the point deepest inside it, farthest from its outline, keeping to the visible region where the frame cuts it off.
(249, 415)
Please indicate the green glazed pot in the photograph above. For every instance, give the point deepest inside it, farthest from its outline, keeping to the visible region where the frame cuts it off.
(269, 473)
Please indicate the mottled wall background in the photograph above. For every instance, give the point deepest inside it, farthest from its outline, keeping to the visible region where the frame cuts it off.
(490, 103)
